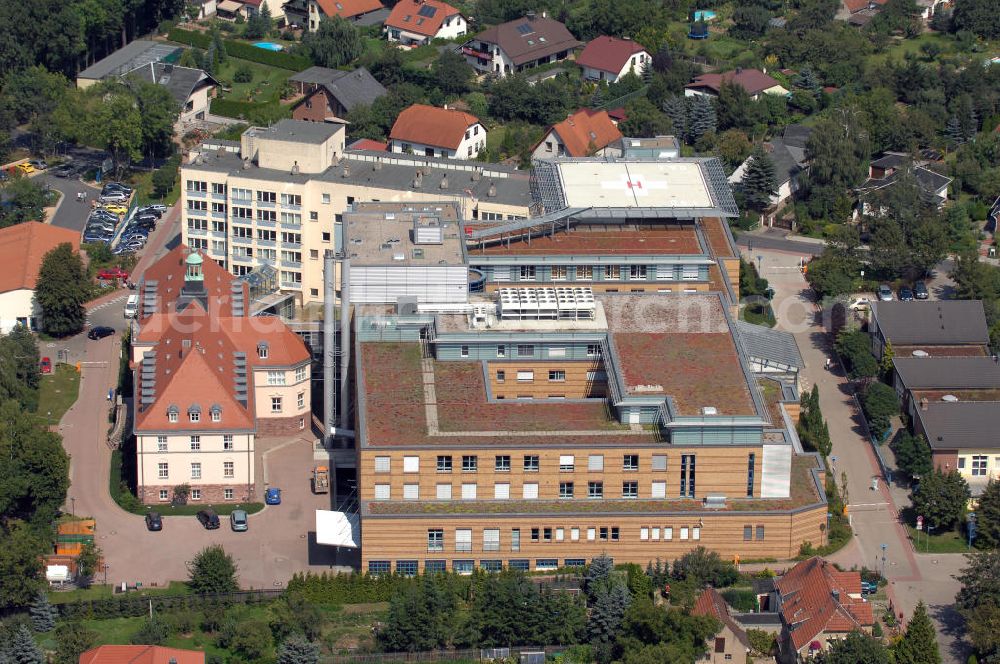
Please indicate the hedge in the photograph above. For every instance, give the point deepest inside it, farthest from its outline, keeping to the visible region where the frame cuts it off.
(253, 112)
(242, 50)
(346, 588)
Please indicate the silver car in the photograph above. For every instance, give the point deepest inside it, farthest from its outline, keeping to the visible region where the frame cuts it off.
(238, 521)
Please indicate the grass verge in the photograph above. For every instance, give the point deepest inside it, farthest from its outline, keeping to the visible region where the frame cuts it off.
(96, 592)
(946, 542)
(58, 391)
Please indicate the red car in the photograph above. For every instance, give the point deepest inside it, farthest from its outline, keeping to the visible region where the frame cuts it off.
(110, 273)
(45, 366)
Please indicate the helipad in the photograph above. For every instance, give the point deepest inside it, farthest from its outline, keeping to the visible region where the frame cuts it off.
(624, 184)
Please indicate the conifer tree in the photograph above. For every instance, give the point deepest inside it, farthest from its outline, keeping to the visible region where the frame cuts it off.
(759, 180)
(43, 614)
(22, 648)
(919, 643)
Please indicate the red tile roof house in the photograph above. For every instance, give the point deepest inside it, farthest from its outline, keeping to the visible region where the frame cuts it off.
(309, 13)
(417, 22)
(518, 45)
(22, 248)
(209, 380)
(437, 132)
(754, 81)
(586, 133)
(141, 655)
(730, 643)
(818, 604)
(610, 58)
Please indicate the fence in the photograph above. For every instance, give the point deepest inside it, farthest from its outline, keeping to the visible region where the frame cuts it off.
(475, 655)
(137, 604)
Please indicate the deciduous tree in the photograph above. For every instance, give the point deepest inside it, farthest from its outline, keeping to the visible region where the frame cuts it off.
(941, 498)
(334, 43)
(212, 571)
(62, 289)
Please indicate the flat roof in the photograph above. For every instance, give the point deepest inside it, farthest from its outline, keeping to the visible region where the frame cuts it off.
(719, 237)
(670, 239)
(134, 54)
(605, 184)
(297, 131)
(383, 234)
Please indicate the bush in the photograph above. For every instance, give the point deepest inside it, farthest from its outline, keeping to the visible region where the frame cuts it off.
(255, 113)
(244, 74)
(346, 588)
(242, 50)
(880, 404)
(152, 632)
(164, 178)
(743, 601)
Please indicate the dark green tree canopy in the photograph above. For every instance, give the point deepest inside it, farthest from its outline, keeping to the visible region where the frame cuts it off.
(212, 571)
(62, 289)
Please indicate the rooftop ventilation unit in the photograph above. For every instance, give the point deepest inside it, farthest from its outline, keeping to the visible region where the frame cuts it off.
(546, 303)
(714, 502)
(427, 231)
(710, 411)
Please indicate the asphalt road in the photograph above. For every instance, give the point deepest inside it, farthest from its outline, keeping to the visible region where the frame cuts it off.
(777, 240)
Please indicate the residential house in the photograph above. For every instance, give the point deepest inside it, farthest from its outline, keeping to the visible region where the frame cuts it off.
(819, 604)
(206, 8)
(586, 133)
(230, 9)
(417, 22)
(127, 58)
(925, 327)
(730, 643)
(309, 13)
(518, 45)
(929, 7)
(788, 153)
(333, 93)
(886, 172)
(22, 248)
(610, 58)
(437, 132)
(192, 89)
(369, 145)
(918, 378)
(962, 436)
(754, 81)
(859, 12)
(141, 655)
(209, 380)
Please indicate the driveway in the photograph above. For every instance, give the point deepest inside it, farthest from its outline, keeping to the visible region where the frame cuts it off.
(872, 512)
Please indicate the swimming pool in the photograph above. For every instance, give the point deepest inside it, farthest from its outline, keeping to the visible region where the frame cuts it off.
(269, 46)
(704, 15)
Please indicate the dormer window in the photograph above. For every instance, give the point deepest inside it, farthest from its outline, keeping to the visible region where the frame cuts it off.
(216, 412)
(172, 413)
(194, 413)
(262, 351)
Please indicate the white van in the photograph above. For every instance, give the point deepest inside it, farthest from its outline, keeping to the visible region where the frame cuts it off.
(132, 306)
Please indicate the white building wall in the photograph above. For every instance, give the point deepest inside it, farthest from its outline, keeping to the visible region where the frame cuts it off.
(212, 456)
(637, 63)
(469, 148)
(18, 307)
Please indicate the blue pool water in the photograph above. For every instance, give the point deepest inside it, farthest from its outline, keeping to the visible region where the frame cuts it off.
(704, 15)
(269, 46)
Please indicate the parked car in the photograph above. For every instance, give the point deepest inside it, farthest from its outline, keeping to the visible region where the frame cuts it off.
(905, 294)
(39, 164)
(209, 519)
(114, 198)
(159, 207)
(64, 171)
(116, 209)
(45, 366)
(146, 219)
(133, 245)
(26, 168)
(150, 210)
(884, 293)
(119, 186)
(100, 331)
(154, 522)
(272, 496)
(97, 235)
(920, 291)
(238, 521)
(121, 250)
(859, 304)
(112, 273)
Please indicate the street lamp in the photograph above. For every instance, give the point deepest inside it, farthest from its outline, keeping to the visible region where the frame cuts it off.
(884, 547)
(833, 464)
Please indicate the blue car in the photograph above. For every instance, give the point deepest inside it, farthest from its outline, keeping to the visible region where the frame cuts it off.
(272, 496)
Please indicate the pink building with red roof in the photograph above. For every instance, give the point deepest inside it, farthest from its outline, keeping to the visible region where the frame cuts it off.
(610, 58)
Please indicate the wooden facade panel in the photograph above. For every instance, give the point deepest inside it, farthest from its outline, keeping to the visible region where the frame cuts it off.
(570, 381)
(718, 470)
(392, 539)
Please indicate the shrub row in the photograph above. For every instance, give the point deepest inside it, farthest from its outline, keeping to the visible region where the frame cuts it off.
(346, 588)
(254, 112)
(242, 50)
(132, 605)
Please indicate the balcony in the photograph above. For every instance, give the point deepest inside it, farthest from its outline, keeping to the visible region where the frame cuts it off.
(261, 242)
(291, 264)
(265, 223)
(242, 240)
(485, 56)
(241, 258)
(291, 284)
(291, 245)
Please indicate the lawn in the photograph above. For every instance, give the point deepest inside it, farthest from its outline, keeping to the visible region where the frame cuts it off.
(58, 391)
(265, 87)
(758, 313)
(143, 185)
(947, 542)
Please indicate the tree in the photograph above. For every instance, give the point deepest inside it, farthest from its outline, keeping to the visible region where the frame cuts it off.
(24, 200)
(854, 348)
(152, 632)
(252, 640)
(838, 151)
(606, 615)
(676, 108)
(807, 80)
(919, 643)
(260, 24)
(159, 112)
(297, 649)
(701, 118)
(979, 601)
(43, 614)
(88, 562)
(762, 643)
(20, 565)
(881, 404)
(941, 498)
(733, 146)
(988, 517)
(749, 22)
(759, 182)
(978, 17)
(953, 131)
(643, 119)
(61, 291)
(812, 428)
(117, 126)
(335, 43)
(857, 648)
(22, 649)
(650, 634)
(72, 640)
(598, 577)
(705, 567)
(734, 107)
(913, 455)
(420, 617)
(212, 571)
(452, 73)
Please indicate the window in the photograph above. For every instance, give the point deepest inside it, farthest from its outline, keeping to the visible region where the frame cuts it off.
(326, 237)
(630, 489)
(164, 494)
(529, 491)
(527, 273)
(463, 567)
(463, 540)
(195, 494)
(216, 415)
(291, 238)
(275, 404)
(227, 441)
(567, 463)
(406, 567)
(411, 492)
(630, 462)
(637, 272)
(470, 463)
(444, 492)
(515, 539)
(381, 464)
(502, 463)
(750, 472)
(501, 491)
(464, 352)
(747, 533)
(616, 534)
(525, 350)
(684, 533)
(291, 218)
(469, 491)
(643, 533)
(378, 567)
(266, 197)
(198, 206)
(565, 489)
(658, 489)
(584, 273)
(595, 462)
(604, 533)
(546, 534)
(979, 465)
(194, 415)
(411, 464)
(300, 400)
(242, 194)
(558, 273)
(557, 376)
(501, 351)
(228, 469)
(659, 462)
(595, 489)
(546, 564)
(275, 377)
(444, 464)
(435, 567)
(536, 534)
(961, 460)
(597, 376)
(162, 471)
(382, 492)
(161, 443)
(262, 351)
(760, 533)
(501, 376)
(195, 443)
(525, 376)
(696, 533)
(687, 476)
(196, 471)
(593, 350)
(291, 199)
(557, 351)
(195, 185)
(491, 539)
(531, 463)
(269, 216)
(612, 272)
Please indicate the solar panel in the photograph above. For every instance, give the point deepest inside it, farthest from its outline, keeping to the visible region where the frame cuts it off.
(525, 29)
(427, 11)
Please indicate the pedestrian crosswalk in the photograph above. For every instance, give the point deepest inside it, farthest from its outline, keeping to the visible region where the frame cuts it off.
(103, 305)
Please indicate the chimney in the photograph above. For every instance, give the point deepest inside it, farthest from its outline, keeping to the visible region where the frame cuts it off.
(347, 170)
(530, 15)
(444, 181)
(492, 192)
(923, 403)
(418, 179)
(295, 168)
